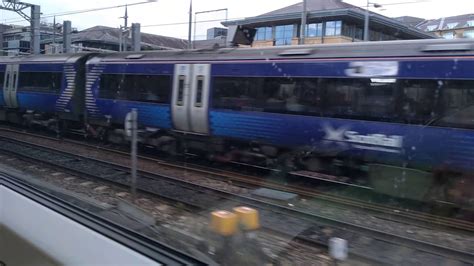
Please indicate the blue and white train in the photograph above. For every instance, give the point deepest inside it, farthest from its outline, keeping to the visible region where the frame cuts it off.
(399, 113)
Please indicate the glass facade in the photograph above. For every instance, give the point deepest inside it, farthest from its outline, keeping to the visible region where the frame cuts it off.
(284, 34)
(469, 34)
(314, 30)
(333, 28)
(264, 34)
(448, 35)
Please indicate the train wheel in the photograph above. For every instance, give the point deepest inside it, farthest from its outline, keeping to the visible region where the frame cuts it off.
(313, 164)
(170, 148)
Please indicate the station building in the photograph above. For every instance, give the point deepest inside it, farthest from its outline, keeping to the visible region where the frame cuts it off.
(328, 21)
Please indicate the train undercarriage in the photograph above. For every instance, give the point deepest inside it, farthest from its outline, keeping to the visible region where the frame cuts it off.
(433, 185)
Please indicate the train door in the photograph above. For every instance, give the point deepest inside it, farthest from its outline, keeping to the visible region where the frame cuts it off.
(199, 103)
(190, 99)
(10, 86)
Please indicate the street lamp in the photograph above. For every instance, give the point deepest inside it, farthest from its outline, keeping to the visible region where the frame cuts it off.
(366, 22)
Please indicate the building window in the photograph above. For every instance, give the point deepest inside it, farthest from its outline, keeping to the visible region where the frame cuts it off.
(359, 33)
(448, 35)
(263, 34)
(451, 25)
(469, 34)
(284, 34)
(333, 28)
(314, 30)
(348, 30)
(431, 27)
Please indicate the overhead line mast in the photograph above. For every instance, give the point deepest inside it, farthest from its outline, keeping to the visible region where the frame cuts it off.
(33, 18)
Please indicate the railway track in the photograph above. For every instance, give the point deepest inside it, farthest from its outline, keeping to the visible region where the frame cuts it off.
(253, 181)
(295, 222)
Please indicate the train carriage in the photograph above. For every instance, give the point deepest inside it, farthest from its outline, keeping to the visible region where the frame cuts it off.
(399, 115)
(42, 89)
(386, 107)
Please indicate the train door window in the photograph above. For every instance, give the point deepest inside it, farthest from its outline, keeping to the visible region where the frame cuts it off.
(7, 83)
(199, 90)
(14, 80)
(181, 84)
(457, 104)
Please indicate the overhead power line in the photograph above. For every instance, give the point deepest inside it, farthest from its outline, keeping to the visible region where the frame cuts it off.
(81, 11)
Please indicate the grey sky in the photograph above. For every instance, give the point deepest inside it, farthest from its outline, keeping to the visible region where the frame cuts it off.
(171, 11)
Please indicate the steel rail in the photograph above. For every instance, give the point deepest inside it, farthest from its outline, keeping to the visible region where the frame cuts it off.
(210, 196)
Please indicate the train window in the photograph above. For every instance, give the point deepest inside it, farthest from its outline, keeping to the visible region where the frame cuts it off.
(150, 88)
(7, 83)
(49, 82)
(367, 99)
(457, 104)
(236, 93)
(401, 101)
(199, 88)
(14, 79)
(110, 86)
(307, 96)
(181, 81)
(417, 101)
(2, 78)
(143, 88)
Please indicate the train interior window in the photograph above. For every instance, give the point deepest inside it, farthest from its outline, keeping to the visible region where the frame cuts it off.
(236, 93)
(417, 100)
(401, 101)
(199, 90)
(181, 83)
(457, 104)
(143, 88)
(40, 82)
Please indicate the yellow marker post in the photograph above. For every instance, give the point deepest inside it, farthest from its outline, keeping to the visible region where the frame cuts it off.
(248, 218)
(224, 223)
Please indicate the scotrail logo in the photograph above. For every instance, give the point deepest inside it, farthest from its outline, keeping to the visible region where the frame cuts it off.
(378, 142)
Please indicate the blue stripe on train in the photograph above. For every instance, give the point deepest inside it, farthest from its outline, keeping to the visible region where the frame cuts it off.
(152, 115)
(375, 141)
(41, 102)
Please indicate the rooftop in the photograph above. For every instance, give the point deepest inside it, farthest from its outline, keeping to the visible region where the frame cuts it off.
(329, 9)
(447, 23)
(111, 35)
(311, 5)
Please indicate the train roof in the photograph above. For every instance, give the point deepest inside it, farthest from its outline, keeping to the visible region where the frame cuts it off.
(42, 58)
(438, 47)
